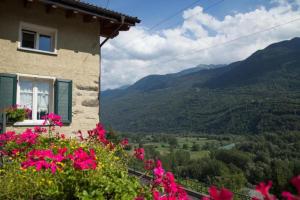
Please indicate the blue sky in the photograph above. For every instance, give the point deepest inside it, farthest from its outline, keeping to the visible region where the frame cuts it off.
(153, 11)
(229, 31)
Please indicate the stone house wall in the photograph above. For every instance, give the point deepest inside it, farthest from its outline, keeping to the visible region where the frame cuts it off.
(78, 56)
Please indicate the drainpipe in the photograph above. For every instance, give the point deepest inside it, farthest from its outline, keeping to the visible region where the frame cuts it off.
(115, 31)
(101, 44)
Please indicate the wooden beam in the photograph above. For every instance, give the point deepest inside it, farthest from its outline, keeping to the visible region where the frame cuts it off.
(27, 3)
(89, 18)
(50, 8)
(71, 13)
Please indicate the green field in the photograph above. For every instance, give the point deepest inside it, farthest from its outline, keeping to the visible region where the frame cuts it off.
(164, 148)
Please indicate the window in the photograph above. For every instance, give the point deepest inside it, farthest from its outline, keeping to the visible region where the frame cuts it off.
(42, 94)
(36, 94)
(37, 38)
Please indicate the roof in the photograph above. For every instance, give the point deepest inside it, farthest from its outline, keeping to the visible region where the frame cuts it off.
(97, 10)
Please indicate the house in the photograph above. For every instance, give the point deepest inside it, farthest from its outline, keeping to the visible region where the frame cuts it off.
(50, 57)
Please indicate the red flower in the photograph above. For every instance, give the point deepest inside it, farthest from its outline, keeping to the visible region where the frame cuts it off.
(27, 137)
(215, 194)
(124, 142)
(149, 164)
(98, 133)
(296, 182)
(139, 153)
(263, 189)
(53, 120)
(82, 160)
(39, 130)
(44, 159)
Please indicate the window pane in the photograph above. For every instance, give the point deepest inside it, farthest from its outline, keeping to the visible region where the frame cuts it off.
(26, 94)
(42, 99)
(45, 43)
(28, 39)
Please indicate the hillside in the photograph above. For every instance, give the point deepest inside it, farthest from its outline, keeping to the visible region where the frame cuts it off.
(258, 94)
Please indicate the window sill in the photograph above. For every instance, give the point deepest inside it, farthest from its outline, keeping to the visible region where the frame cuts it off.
(38, 51)
(30, 123)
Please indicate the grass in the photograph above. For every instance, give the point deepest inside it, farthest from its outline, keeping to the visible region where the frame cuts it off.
(164, 148)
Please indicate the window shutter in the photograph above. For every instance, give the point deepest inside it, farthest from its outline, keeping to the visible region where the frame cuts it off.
(8, 91)
(63, 100)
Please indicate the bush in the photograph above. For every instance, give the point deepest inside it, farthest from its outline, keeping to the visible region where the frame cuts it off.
(38, 166)
(41, 166)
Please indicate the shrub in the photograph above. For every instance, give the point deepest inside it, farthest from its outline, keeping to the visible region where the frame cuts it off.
(37, 165)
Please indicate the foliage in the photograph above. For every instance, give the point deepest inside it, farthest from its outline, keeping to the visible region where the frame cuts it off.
(17, 114)
(51, 166)
(256, 95)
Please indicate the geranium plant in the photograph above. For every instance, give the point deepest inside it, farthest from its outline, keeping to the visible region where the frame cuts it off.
(17, 113)
(52, 166)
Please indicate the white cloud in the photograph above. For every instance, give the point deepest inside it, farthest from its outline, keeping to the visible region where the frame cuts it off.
(198, 40)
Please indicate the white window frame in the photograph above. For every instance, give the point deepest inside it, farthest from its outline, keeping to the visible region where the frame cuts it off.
(34, 121)
(39, 30)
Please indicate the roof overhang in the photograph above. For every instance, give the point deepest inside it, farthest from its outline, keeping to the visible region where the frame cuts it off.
(111, 22)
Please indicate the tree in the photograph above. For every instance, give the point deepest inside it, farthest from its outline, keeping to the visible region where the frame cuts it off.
(196, 147)
(185, 146)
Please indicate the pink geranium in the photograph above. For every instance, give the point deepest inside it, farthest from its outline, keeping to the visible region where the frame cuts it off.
(263, 189)
(215, 194)
(139, 153)
(83, 160)
(27, 137)
(296, 183)
(39, 130)
(98, 133)
(124, 142)
(53, 120)
(149, 164)
(45, 159)
(7, 137)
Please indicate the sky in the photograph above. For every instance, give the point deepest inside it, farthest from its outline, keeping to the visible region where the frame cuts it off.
(178, 34)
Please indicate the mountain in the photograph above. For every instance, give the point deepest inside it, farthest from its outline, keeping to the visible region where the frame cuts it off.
(258, 94)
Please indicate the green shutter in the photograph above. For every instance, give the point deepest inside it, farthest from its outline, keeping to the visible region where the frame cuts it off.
(8, 91)
(63, 100)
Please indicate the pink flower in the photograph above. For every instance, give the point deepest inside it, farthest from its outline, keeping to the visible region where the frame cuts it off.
(53, 120)
(139, 153)
(149, 164)
(80, 136)
(39, 130)
(158, 173)
(45, 159)
(7, 137)
(27, 137)
(169, 183)
(263, 189)
(124, 142)
(98, 133)
(82, 160)
(296, 183)
(215, 194)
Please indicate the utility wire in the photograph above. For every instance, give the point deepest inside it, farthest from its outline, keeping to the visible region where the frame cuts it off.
(232, 40)
(171, 16)
(107, 4)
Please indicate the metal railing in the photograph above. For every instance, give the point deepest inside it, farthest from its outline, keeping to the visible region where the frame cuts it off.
(194, 188)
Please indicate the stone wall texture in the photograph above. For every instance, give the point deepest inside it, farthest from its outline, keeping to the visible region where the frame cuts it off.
(77, 58)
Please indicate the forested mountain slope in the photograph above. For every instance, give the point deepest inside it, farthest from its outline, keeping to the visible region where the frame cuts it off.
(258, 94)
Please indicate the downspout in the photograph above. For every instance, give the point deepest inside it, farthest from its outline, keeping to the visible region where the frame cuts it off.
(115, 31)
(101, 44)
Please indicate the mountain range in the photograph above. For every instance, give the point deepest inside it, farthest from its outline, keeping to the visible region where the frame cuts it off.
(258, 94)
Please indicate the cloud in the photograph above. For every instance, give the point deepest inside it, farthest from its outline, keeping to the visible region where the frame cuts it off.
(200, 39)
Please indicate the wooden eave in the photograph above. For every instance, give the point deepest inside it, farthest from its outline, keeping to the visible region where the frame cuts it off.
(109, 21)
